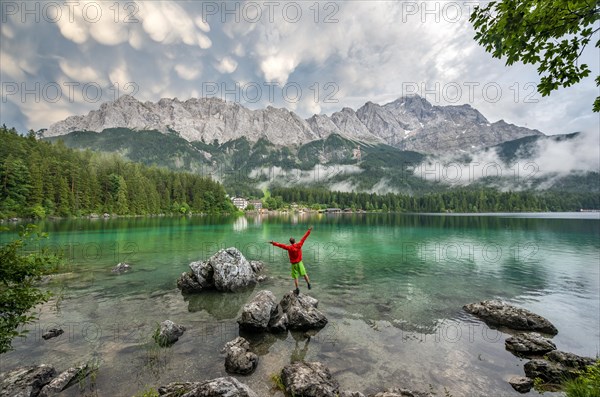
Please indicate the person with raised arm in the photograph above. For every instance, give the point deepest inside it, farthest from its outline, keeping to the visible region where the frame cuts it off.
(295, 253)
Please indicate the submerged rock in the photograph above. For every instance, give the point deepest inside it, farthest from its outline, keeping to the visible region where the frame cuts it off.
(309, 379)
(219, 387)
(65, 380)
(521, 384)
(239, 360)
(168, 333)
(52, 333)
(121, 268)
(529, 344)
(557, 366)
(26, 381)
(495, 312)
(397, 392)
(227, 270)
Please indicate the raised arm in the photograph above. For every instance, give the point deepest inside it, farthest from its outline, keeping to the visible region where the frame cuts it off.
(305, 236)
(276, 244)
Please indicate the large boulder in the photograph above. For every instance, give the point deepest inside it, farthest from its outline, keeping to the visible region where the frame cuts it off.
(296, 312)
(168, 333)
(530, 344)
(26, 381)
(309, 379)
(557, 366)
(257, 314)
(65, 380)
(219, 387)
(302, 313)
(498, 313)
(239, 359)
(227, 270)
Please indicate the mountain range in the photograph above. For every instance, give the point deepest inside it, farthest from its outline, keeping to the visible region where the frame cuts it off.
(408, 123)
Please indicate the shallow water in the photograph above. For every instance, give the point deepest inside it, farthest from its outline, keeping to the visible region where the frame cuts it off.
(391, 285)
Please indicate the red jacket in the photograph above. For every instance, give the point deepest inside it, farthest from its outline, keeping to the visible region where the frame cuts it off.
(294, 250)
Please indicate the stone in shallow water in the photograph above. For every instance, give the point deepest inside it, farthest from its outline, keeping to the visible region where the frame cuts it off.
(302, 312)
(168, 333)
(64, 380)
(26, 381)
(557, 366)
(239, 360)
(495, 312)
(121, 268)
(52, 333)
(227, 270)
(257, 313)
(529, 344)
(219, 387)
(398, 392)
(522, 384)
(309, 379)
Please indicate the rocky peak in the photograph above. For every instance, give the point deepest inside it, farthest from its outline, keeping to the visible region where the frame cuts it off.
(409, 122)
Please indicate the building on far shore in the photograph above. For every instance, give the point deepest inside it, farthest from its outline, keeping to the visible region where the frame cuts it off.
(240, 202)
(257, 204)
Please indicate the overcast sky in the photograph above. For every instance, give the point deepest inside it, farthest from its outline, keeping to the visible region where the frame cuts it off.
(66, 58)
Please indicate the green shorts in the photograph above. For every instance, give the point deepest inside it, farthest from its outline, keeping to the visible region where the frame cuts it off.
(298, 270)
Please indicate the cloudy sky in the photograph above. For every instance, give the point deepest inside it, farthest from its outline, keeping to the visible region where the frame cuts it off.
(66, 58)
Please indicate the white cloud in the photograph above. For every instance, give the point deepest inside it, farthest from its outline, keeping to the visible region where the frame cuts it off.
(226, 65)
(187, 72)
(202, 24)
(84, 74)
(167, 23)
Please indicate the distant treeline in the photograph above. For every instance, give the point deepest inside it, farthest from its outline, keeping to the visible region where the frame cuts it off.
(39, 179)
(455, 200)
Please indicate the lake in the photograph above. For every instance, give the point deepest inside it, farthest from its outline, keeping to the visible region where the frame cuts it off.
(391, 285)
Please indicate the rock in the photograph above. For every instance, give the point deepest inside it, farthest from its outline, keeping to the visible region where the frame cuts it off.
(227, 270)
(94, 216)
(219, 387)
(257, 314)
(52, 333)
(26, 381)
(257, 266)
(302, 313)
(168, 333)
(309, 379)
(106, 215)
(64, 380)
(529, 344)
(239, 360)
(557, 366)
(279, 322)
(231, 270)
(402, 393)
(187, 283)
(121, 268)
(346, 393)
(498, 313)
(521, 384)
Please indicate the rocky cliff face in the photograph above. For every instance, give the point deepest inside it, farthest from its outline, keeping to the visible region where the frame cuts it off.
(409, 123)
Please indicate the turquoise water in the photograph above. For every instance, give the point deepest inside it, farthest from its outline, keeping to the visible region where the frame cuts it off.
(392, 286)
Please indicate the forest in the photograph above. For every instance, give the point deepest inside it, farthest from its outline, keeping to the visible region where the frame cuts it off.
(451, 200)
(40, 179)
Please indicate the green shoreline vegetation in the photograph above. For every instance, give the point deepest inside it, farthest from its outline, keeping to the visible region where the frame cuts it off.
(39, 179)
